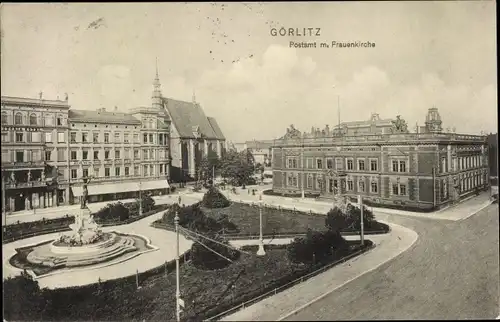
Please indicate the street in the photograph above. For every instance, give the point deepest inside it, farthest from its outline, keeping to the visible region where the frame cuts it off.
(451, 272)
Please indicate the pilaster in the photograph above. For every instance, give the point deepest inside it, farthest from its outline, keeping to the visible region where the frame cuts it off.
(192, 169)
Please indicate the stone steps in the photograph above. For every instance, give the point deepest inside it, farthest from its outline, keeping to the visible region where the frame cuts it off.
(124, 245)
(115, 247)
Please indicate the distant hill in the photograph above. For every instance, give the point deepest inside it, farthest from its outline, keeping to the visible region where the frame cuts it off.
(493, 154)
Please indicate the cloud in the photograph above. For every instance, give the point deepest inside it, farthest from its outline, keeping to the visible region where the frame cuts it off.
(260, 97)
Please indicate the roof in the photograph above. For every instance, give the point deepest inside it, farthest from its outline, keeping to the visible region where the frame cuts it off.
(102, 117)
(380, 122)
(216, 128)
(189, 117)
(33, 101)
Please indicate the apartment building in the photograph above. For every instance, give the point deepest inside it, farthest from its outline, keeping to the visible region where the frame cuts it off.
(35, 169)
(122, 153)
(383, 162)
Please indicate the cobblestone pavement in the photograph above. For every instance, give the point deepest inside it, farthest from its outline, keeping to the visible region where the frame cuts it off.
(452, 272)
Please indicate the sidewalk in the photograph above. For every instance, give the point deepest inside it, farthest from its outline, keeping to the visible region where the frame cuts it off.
(57, 212)
(460, 211)
(287, 302)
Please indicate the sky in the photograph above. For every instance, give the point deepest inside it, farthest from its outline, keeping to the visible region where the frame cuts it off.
(426, 54)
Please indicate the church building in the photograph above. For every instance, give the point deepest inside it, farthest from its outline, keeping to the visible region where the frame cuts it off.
(192, 134)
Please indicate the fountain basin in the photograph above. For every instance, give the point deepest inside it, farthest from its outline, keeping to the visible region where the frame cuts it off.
(47, 257)
(108, 239)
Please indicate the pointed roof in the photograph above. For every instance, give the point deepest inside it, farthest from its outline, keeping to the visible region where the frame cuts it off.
(216, 128)
(188, 116)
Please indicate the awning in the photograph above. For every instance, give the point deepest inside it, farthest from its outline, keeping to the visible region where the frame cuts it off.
(155, 184)
(77, 191)
(102, 189)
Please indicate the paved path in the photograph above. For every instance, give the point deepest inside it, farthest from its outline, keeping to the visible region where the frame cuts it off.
(457, 212)
(452, 272)
(57, 212)
(164, 240)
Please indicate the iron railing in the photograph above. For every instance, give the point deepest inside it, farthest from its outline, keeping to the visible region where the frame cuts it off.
(289, 284)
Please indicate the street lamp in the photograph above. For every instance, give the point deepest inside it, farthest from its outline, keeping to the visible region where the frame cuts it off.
(177, 277)
(260, 251)
(140, 197)
(4, 212)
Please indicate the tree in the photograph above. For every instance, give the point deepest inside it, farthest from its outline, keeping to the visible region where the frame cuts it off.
(238, 167)
(112, 212)
(336, 220)
(213, 198)
(209, 164)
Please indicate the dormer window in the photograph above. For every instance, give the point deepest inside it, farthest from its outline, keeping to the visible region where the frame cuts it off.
(196, 131)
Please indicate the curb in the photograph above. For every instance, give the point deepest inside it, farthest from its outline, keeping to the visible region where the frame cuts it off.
(415, 238)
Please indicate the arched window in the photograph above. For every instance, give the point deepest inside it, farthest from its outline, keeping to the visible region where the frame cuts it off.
(33, 119)
(18, 119)
(4, 118)
(151, 124)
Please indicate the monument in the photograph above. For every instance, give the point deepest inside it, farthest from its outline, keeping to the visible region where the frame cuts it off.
(85, 230)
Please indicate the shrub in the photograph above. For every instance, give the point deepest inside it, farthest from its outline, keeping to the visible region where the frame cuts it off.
(192, 218)
(114, 211)
(315, 247)
(338, 220)
(203, 258)
(213, 198)
(148, 203)
(22, 298)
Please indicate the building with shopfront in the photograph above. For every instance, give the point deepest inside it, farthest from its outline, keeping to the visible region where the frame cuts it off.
(385, 163)
(123, 153)
(35, 168)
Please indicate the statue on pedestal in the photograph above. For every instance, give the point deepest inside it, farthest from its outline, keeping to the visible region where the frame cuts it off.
(29, 176)
(85, 194)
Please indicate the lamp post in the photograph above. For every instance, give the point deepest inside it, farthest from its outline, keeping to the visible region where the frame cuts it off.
(260, 251)
(360, 202)
(177, 277)
(140, 197)
(4, 212)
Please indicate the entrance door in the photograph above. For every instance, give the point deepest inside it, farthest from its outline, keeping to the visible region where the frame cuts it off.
(19, 202)
(336, 186)
(330, 185)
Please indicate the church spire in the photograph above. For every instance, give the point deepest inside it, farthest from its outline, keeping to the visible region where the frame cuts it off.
(156, 96)
(194, 97)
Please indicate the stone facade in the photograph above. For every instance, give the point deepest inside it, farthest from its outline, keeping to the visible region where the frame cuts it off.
(35, 169)
(422, 170)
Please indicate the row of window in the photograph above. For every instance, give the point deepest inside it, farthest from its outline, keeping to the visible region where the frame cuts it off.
(36, 155)
(22, 156)
(399, 189)
(146, 154)
(469, 162)
(33, 120)
(147, 138)
(148, 170)
(36, 137)
(397, 165)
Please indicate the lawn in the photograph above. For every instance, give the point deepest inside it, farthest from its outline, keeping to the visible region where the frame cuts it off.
(277, 221)
(246, 218)
(205, 293)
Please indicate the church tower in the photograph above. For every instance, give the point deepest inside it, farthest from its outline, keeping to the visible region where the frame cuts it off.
(433, 121)
(156, 96)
